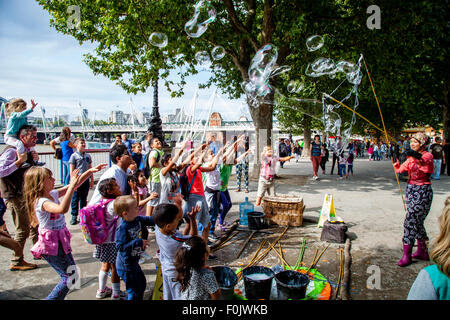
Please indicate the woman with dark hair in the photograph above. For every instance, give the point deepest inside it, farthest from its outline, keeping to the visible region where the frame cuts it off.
(315, 157)
(419, 195)
(65, 140)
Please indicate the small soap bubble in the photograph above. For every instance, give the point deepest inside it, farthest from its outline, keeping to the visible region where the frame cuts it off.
(314, 43)
(158, 39)
(218, 53)
(202, 58)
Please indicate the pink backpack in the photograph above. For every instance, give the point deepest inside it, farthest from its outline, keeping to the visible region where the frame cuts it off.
(93, 224)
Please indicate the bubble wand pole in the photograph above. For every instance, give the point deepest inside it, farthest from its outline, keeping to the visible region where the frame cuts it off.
(385, 131)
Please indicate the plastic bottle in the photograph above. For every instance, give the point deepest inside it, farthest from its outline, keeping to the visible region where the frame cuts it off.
(244, 208)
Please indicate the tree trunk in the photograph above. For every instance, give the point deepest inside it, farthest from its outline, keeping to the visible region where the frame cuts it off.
(306, 136)
(446, 122)
(262, 118)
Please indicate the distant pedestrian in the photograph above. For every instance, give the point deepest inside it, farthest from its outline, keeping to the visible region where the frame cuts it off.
(437, 151)
(282, 151)
(127, 143)
(337, 145)
(65, 140)
(316, 151)
(136, 154)
(370, 152)
(118, 140)
(350, 164)
(324, 157)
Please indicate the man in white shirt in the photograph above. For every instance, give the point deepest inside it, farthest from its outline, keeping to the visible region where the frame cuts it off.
(121, 160)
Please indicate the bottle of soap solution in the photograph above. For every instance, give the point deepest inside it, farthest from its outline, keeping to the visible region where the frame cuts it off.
(244, 208)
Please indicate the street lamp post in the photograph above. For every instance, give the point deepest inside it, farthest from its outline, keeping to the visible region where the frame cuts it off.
(155, 121)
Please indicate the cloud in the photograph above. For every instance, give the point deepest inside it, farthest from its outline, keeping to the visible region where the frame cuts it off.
(40, 63)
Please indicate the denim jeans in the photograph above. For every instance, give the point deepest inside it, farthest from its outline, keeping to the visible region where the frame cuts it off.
(2, 211)
(213, 200)
(135, 282)
(225, 201)
(66, 173)
(80, 198)
(437, 169)
(341, 170)
(60, 263)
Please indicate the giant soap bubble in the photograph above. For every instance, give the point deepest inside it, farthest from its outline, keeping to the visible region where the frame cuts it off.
(204, 14)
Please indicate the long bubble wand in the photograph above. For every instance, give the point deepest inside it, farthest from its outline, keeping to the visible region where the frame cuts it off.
(384, 127)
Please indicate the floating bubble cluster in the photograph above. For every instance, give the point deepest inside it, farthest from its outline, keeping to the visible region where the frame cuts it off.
(262, 67)
(203, 11)
(217, 53)
(332, 121)
(158, 39)
(314, 43)
(202, 58)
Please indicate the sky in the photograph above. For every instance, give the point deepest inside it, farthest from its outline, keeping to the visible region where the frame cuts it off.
(37, 62)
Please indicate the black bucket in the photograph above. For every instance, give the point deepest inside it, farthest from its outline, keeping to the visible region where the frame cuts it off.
(256, 286)
(227, 279)
(291, 285)
(256, 220)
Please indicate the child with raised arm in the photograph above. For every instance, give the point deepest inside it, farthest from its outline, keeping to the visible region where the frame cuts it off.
(130, 245)
(267, 173)
(16, 109)
(43, 205)
(225, 169)
(197, 192)
(197, 281)
(167, 218)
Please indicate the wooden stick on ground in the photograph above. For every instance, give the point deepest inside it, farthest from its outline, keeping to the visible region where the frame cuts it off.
(221, 245)
(341, 269)
(224, 237)
(270, 247)
(318, 258)
(257, 259)
(245, 243)
(345, 294)
(279, 254)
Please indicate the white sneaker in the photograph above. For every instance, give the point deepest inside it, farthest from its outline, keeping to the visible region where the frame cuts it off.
(103, 294)
(121, 296)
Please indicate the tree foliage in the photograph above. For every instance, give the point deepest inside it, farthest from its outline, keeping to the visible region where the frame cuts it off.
(407, 57)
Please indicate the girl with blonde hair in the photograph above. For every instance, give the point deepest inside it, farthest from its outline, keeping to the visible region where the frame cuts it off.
(433, 282)
(16, 109)
(44, 208)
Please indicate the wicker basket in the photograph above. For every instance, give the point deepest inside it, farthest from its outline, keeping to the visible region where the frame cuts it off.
(284, 210)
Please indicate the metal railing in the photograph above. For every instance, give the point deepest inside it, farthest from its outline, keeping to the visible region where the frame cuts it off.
(56, 166)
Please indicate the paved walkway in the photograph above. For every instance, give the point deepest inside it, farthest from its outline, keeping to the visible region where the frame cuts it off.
(369, 202)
